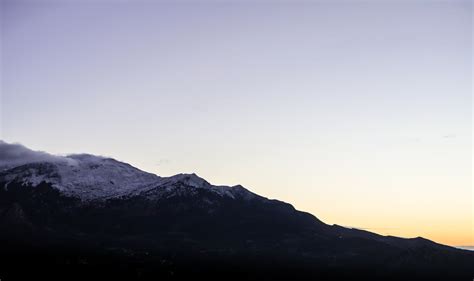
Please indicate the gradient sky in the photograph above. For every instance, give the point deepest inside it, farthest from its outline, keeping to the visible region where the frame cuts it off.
(356, 111)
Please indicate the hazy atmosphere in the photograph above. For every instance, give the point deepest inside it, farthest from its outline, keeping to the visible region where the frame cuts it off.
(359, 112)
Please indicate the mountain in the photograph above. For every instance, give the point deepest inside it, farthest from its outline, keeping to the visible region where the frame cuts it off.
(84, 216)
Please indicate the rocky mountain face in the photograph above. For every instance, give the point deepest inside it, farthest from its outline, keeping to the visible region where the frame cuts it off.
(84, 216)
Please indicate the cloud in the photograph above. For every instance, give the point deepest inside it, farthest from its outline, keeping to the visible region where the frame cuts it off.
(16, 154)
(371, 228)
(449, 136)
(470, 248)
(163, 161)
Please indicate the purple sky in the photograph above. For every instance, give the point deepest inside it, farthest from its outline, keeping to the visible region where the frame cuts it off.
(364, 103)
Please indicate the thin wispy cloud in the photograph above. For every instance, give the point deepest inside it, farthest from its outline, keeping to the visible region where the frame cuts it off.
(371, 228)
(163, 161)
(449, 136)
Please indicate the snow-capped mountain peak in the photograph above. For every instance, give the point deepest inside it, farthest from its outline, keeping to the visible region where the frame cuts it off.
(91, 177)
(190, 180)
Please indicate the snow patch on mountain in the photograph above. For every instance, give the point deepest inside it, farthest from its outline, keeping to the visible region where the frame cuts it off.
(191, 184)
(99, 177)
(91, 177)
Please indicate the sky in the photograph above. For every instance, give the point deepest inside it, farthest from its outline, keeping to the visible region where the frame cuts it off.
(359, 112)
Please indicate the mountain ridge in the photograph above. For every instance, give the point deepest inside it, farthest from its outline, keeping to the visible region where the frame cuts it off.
(56, 209)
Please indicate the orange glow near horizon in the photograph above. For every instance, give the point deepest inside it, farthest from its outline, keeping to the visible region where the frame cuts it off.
(442, 232)
(450, 229)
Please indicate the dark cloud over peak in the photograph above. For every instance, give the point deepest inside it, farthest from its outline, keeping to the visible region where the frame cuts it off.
(15, 154)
